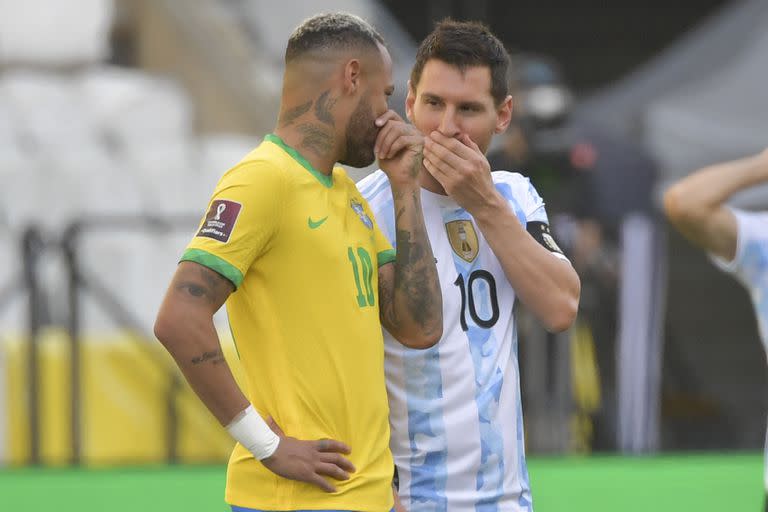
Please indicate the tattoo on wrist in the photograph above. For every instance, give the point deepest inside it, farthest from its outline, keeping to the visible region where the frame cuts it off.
(215, 356)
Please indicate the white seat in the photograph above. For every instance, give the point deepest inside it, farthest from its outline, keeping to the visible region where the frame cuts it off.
(134, 109)
(75, 31)
(46, 111)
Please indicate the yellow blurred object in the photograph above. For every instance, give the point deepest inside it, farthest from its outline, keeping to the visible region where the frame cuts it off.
(586, 386)
(124, 410)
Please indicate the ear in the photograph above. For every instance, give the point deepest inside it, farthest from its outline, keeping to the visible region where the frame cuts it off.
(352, 76)
(504, 115)
(410, 100)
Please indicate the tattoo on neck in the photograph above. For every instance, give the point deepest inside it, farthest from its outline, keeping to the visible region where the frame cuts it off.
(323, 108)
(215, 356)
(316, 139)
(294, 113)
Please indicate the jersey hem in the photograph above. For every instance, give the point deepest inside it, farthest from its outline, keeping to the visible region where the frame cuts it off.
(387, 256)
(215, 263)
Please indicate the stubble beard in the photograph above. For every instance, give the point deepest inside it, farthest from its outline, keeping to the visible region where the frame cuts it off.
(361, 136)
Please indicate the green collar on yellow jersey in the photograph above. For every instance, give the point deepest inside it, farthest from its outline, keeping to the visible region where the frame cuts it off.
(322, 178)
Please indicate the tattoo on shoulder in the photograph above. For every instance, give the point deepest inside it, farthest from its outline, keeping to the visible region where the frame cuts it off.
(294, 113)
(208, 285)
(214, 356)
(323, 108)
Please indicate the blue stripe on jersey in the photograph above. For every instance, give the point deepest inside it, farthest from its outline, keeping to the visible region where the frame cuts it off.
(366, 184)
(753, 264)
(424, 388)
(506, 192)
(524, 500)
(377, 185)
(382, 205)
(243, 509)
(488, 383)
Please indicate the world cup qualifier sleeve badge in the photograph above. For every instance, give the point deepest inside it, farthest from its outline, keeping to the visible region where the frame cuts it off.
(357, 207)
(220, 220)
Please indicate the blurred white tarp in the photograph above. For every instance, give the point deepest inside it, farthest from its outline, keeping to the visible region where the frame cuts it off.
(52, 32)
(703, 100)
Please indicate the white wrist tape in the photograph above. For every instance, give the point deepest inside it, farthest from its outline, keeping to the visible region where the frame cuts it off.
(251, 431)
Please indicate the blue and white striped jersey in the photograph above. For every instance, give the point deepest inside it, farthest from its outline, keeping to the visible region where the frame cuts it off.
(455, 411)
(750, 267)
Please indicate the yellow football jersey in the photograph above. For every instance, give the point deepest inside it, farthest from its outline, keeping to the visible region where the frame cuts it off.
(303, 250)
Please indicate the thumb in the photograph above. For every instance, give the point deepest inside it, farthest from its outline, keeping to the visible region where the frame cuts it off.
(275, 427)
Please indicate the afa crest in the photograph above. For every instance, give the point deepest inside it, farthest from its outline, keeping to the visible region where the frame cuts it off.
(357, 207)
(463, 238)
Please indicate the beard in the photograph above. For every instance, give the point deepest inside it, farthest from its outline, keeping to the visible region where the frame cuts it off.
(361, 136)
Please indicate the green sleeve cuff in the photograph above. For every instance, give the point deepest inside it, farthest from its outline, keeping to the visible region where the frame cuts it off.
(385, 257)
(214, 263)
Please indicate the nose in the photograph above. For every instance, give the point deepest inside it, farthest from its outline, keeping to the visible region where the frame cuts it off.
(448, 125)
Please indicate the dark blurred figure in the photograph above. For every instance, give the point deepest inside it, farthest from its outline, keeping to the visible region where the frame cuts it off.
(593, 182)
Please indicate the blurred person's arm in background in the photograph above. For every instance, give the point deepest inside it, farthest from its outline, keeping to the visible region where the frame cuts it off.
(696, 204)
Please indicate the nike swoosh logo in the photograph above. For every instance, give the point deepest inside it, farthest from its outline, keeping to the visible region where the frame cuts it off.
(315, 224)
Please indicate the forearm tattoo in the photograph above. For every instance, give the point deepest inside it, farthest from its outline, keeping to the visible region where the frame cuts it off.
(215, 357)
(415, 276)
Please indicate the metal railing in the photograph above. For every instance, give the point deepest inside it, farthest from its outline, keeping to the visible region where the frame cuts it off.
(79, 282)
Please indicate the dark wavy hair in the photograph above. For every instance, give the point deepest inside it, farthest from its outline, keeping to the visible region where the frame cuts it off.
(465, 44)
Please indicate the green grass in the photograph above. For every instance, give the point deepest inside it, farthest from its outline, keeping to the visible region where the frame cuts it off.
(697, 483)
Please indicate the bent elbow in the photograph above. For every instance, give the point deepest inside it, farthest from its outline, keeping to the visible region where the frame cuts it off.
(163, 329)
(678, 207)
(564, 316)
(421, 340)
(431, 338)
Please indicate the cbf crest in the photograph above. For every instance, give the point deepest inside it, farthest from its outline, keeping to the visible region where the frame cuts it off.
(463, 238)
(357, 207)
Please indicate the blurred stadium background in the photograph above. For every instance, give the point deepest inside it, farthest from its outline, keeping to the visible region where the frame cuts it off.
(118, 116)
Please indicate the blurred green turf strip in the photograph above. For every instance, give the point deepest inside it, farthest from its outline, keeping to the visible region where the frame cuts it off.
(697, 483)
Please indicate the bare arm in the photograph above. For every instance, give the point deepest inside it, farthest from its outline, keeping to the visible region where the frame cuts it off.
(546, 284)
(696, 204)
(410, 300)
(185, 327)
